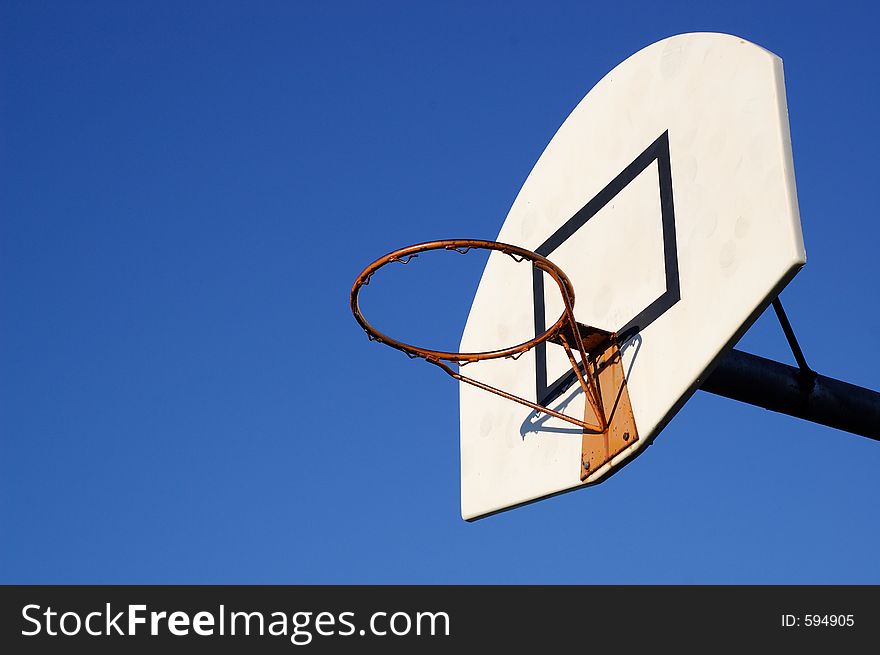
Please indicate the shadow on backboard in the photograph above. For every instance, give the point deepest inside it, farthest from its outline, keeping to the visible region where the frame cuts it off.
(536, 422)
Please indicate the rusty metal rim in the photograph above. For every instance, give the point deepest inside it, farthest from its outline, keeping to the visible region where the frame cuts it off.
(404, 255)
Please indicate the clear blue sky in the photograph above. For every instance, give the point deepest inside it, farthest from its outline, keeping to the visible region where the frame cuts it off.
(188, 191)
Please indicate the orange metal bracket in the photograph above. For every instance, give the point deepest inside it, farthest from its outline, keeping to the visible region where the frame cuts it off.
(620, 431)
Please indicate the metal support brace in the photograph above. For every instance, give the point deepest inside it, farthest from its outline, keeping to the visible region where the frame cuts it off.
(619, 431)
(806, 375)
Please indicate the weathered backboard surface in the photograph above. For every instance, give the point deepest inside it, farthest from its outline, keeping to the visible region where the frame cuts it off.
(668, 197)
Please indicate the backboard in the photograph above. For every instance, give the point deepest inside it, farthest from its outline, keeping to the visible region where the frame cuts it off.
(668, 198)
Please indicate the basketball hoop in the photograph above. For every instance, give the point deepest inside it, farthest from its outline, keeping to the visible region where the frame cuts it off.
(564, 331)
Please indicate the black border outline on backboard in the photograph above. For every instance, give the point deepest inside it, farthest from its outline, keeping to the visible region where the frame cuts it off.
(659, 151)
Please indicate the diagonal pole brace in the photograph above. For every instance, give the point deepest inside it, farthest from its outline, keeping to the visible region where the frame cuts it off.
(806, 375)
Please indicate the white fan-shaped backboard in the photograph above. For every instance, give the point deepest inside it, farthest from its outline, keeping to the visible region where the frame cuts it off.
(668, 197)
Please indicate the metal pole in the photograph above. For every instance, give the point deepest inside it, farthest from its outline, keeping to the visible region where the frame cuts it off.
(782, 388)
